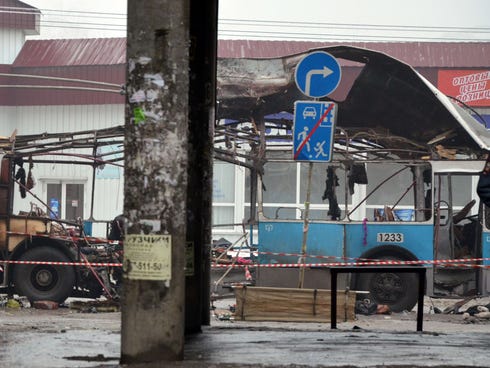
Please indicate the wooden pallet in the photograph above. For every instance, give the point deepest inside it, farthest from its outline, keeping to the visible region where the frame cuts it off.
(291, 305)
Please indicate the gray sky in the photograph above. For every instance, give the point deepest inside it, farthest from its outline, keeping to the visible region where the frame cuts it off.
(81, 19)
(365, 19)
(368, 20)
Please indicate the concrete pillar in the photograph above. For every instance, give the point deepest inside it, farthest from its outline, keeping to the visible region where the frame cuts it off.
(156, 157)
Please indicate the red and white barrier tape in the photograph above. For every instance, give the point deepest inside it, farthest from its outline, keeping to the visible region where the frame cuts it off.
(464, 265)
(327, 265)
(444, 262)
(370, 260)
(447, 262)
(463, 262)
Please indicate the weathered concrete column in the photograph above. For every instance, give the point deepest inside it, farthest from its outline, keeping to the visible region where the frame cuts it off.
(155, 181)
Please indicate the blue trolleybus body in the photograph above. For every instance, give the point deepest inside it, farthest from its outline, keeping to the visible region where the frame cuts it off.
(398, 211)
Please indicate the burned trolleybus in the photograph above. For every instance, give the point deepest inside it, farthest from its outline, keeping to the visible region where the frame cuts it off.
(401, 185)
(42, 256)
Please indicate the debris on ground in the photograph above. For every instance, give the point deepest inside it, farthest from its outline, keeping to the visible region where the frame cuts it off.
(473, 309)
(383, 309)
(485, 315)
(84, 306)
(24, 302)
(367, 307)
(95, 306)
(223, 314)
(472, 306)
(45, 304)
(477, 309)
(12, 303)
(454, 308)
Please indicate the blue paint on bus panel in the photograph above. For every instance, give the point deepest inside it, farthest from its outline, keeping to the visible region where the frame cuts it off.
(486, 246)
(327, 239)
(417, 238)
(287, 237)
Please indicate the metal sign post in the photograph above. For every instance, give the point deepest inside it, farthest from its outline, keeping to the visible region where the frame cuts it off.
(302, 259)
(317, 75)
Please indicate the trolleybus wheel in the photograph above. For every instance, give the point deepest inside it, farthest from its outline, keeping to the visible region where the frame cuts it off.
(44, 281)
(397, 290)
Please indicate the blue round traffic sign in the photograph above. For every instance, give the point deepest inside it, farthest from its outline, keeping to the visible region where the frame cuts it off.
(317, 74)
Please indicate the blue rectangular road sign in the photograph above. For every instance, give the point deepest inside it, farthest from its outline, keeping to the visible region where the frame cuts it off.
(313, 131)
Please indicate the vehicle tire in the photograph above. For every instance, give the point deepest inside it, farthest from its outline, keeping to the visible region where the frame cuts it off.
(44, 282)
(397, 290)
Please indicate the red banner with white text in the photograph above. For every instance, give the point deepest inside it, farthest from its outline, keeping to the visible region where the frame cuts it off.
(469, 86)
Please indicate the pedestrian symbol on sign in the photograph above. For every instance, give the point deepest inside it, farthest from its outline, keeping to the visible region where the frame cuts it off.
(303, 137)
(319, 149)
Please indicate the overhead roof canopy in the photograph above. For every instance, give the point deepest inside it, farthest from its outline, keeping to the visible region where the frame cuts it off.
(388, 101)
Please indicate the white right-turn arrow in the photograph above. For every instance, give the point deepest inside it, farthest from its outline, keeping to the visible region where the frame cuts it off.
(325, 72)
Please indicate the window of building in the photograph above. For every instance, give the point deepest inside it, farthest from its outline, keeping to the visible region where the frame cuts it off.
(223, 194)
(65, 200)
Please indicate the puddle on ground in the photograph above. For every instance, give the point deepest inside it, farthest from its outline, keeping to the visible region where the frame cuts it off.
(96, 358)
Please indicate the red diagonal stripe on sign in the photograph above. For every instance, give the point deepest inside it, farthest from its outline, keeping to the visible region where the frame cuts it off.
(313, 131)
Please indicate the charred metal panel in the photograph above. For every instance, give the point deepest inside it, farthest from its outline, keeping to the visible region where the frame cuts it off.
(388, 98)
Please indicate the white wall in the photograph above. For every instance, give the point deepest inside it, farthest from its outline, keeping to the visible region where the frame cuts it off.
(11, 41)
(108, 200)
(55, 119)
(7, 119)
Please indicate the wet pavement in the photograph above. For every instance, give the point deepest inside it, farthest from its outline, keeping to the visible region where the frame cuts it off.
(340, 348)
(59, 349)
(242, 347)
(65, 338)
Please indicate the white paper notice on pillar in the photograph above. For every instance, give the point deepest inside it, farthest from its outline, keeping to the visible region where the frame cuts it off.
(313, 130)
(147, 257)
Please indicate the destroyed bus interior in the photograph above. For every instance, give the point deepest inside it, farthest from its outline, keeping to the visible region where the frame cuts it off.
(49, 255)
(401, 185)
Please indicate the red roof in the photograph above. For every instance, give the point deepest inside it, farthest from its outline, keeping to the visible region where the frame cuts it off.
(111, 51)
(18, 15)
(104, 59)
(416, 54)
(72, 52)
(96, 59)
